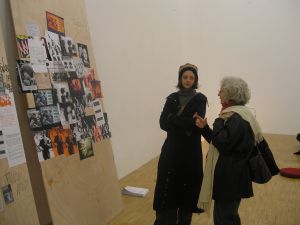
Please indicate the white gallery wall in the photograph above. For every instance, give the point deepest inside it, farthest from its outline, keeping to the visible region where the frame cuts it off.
(140, 44)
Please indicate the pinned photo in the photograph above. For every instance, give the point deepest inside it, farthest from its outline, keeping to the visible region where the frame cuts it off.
(79, 67)
(7, 194)
(22, 46)
(43, 98)
(34, 118)
(83, 54)
(2, 85)
(2, 146)
(53, 45)
(85, 148)
(91, 129)
(49, 115)
(96, 89)
(43, 145)
(62, 92)
(55, 23)
(68, 65)
(67, 46)
(105, 128)
(62, 142)
(26, 76)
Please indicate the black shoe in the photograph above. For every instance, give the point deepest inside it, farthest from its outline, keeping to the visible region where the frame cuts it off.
(297, 153)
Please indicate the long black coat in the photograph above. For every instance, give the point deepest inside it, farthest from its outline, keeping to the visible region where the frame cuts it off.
(235, 143)
(180, 171)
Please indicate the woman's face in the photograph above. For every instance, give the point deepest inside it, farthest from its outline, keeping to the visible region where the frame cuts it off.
(188, 79)
(221, 95)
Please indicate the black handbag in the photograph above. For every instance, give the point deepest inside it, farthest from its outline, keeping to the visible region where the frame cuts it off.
(259, 171)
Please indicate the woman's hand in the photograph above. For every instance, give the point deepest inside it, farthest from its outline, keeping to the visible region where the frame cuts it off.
(199, 121)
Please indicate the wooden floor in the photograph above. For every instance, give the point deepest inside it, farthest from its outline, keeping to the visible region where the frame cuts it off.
(275, 203)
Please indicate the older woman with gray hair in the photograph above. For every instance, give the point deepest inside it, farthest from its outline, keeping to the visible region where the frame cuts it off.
(232, 140)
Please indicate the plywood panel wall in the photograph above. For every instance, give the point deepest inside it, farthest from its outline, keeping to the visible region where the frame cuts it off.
(22, 210)
(79, 192)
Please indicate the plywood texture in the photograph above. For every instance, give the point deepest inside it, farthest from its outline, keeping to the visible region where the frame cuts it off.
(22, 210)
(79, 192)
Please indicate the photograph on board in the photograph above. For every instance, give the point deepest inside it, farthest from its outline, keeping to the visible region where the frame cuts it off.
(55, 23)
(34, 118)
(43, 145)
(43, 98)
(79, 67)
(68, 47)
(85, 147)
(83, 54)
(22, 46)
(53, 45)
(49, 115)
(7, 194)
(26, 76)
(63, 142)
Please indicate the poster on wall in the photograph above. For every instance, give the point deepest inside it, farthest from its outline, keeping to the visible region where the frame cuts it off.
(11, 145)
(22, 46)
(62, 141)
(2, 146)
(53, 45)
(38, 55)
(84, 54)
(55, 23)
(11, 135)
(85, 147)
(7, 194)
(43, 145)
(26, 76)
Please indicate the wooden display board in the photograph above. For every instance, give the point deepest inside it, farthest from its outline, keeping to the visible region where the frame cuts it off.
(79, 192)
(22, 209)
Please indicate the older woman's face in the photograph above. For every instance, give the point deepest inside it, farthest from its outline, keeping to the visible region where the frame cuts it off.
(187, 79)
(221, 95)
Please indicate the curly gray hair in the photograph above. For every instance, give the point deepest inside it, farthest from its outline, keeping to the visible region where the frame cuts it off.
(236, 90)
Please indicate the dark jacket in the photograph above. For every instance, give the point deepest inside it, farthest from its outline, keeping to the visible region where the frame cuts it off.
(235, 142)
(180, 172)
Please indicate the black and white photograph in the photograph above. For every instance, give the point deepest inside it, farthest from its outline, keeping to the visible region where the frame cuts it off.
(2, 87)
(2, 146)
(49, 115)
(43, 145)
(77, 131)
(105, 128)
(68, 65)
(43, 98)
(67, 114)
(98, 110)
(62, 92)
(53, 45)
(68, 47)
(85, 147)
(79, 107)
(34, 118)
(26, 76)
(91, 129)
(79, 67)
(83, 54)
(7, 194)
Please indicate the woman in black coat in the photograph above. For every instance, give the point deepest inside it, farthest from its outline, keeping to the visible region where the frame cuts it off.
(233, 138)
(180, 171)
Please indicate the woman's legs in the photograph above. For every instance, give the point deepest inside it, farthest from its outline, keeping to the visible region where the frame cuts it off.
(173, 217)
(226, 213)
(166, 217)
(184, 217)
